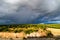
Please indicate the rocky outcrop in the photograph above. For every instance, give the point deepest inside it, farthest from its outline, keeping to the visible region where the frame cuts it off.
(12, 35)
(39, 33)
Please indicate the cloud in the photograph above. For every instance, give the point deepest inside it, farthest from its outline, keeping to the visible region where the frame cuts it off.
(28, 11)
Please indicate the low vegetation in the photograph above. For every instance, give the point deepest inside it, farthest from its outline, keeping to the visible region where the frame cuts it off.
(27, 28)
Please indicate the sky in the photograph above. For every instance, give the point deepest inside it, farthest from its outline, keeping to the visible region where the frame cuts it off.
(29, 11)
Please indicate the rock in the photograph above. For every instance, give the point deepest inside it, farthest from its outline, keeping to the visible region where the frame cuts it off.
(12, 35)
(42, 32)
(37, 34)
(20, 35)
(2, 35)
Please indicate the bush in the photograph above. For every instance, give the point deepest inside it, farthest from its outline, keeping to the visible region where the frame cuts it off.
(17, 31)
(30, 31)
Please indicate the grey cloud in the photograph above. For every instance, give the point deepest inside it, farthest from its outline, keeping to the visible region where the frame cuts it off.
(28, 11)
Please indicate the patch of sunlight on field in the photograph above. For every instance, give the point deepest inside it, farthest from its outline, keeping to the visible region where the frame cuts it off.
(54, 25)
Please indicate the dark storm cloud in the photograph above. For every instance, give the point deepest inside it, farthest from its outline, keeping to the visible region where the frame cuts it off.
(28, 11)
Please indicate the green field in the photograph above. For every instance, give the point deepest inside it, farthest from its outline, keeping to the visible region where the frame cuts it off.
(26, 27)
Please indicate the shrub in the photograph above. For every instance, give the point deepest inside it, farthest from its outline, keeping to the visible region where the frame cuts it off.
(30, 31)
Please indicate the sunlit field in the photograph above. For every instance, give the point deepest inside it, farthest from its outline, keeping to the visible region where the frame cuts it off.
(25, 27)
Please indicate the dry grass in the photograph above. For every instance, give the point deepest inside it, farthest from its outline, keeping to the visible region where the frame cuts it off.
(55, 32)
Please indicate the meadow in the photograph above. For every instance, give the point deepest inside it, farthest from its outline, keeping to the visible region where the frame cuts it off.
(27, 28)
